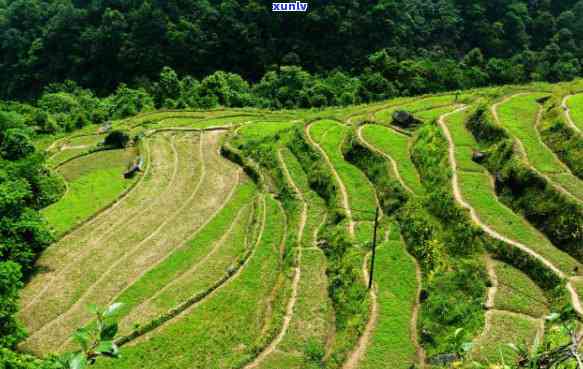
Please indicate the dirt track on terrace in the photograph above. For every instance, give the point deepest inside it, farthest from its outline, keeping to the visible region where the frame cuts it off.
(341, 187)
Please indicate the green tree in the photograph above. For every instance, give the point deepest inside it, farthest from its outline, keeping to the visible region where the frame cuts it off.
(10, 283)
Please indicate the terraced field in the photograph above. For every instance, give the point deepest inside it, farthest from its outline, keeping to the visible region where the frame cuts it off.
(246, 240)
(573, 106)
(521, 114)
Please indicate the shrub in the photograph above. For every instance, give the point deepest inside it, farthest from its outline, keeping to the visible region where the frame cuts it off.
(15, 144)
(117, 139)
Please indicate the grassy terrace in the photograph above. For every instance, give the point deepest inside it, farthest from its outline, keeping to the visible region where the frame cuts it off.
(63, 255)
(60, 309)
(330, 135)
(192, 199)
(93, 182)
(397, 289)
(149, 295)
(224, 329)
(518, 293)
(313, 315)
(416, 105)
(504, 328)
(433, 114)
(262, 129)
(395, 145)
(575, 105)
(519, 116)
(477, 189)
(189, 122)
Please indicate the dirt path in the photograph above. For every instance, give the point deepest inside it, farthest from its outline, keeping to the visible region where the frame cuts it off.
(415, 313)
(395, 169)
(289, 313)
(358, 353)
(491, 297)
(343, 192)
(473, 214)
(568, 118)
(524, 153)
(418, 275)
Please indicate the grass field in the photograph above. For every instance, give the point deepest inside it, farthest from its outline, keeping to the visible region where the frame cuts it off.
(140, 244)
(415, 106)
(518, 293)
(259, 130)
(330, 135)
(93, 182)
(506, 328)
(395, 145)
(397, 293)
(575, 105)
(519, 115)
(222, 331)
(170, 283)
(216, 272)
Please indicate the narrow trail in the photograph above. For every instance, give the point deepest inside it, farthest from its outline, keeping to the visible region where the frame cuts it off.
(473, 214)
(393, 163)
(568, 118)
(91, 289)
(289, 313)
(356, 356)
(491, 297)
(343, 192)
(187, 308)
(420, 353)
(522, 149)
(415, 313)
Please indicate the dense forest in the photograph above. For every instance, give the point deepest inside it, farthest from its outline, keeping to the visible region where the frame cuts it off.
(394, 46)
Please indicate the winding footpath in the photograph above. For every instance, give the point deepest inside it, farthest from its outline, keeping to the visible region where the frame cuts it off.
(420, 353)
(568, 118)
(363, 342)
(343, 191)
(289, 313)
(393, 163)
(575, 300)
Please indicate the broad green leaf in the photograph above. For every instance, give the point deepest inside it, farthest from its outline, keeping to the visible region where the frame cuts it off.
(78, 362)
(82, 337)
(109, 332)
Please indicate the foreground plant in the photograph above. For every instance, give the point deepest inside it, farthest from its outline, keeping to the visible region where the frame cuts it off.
(560, 349)
(95, 340)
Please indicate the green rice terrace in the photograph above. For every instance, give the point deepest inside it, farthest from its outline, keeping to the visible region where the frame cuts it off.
(246, 237)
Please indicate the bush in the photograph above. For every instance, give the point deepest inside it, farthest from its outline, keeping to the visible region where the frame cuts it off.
(117, 139)
(15, 145)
